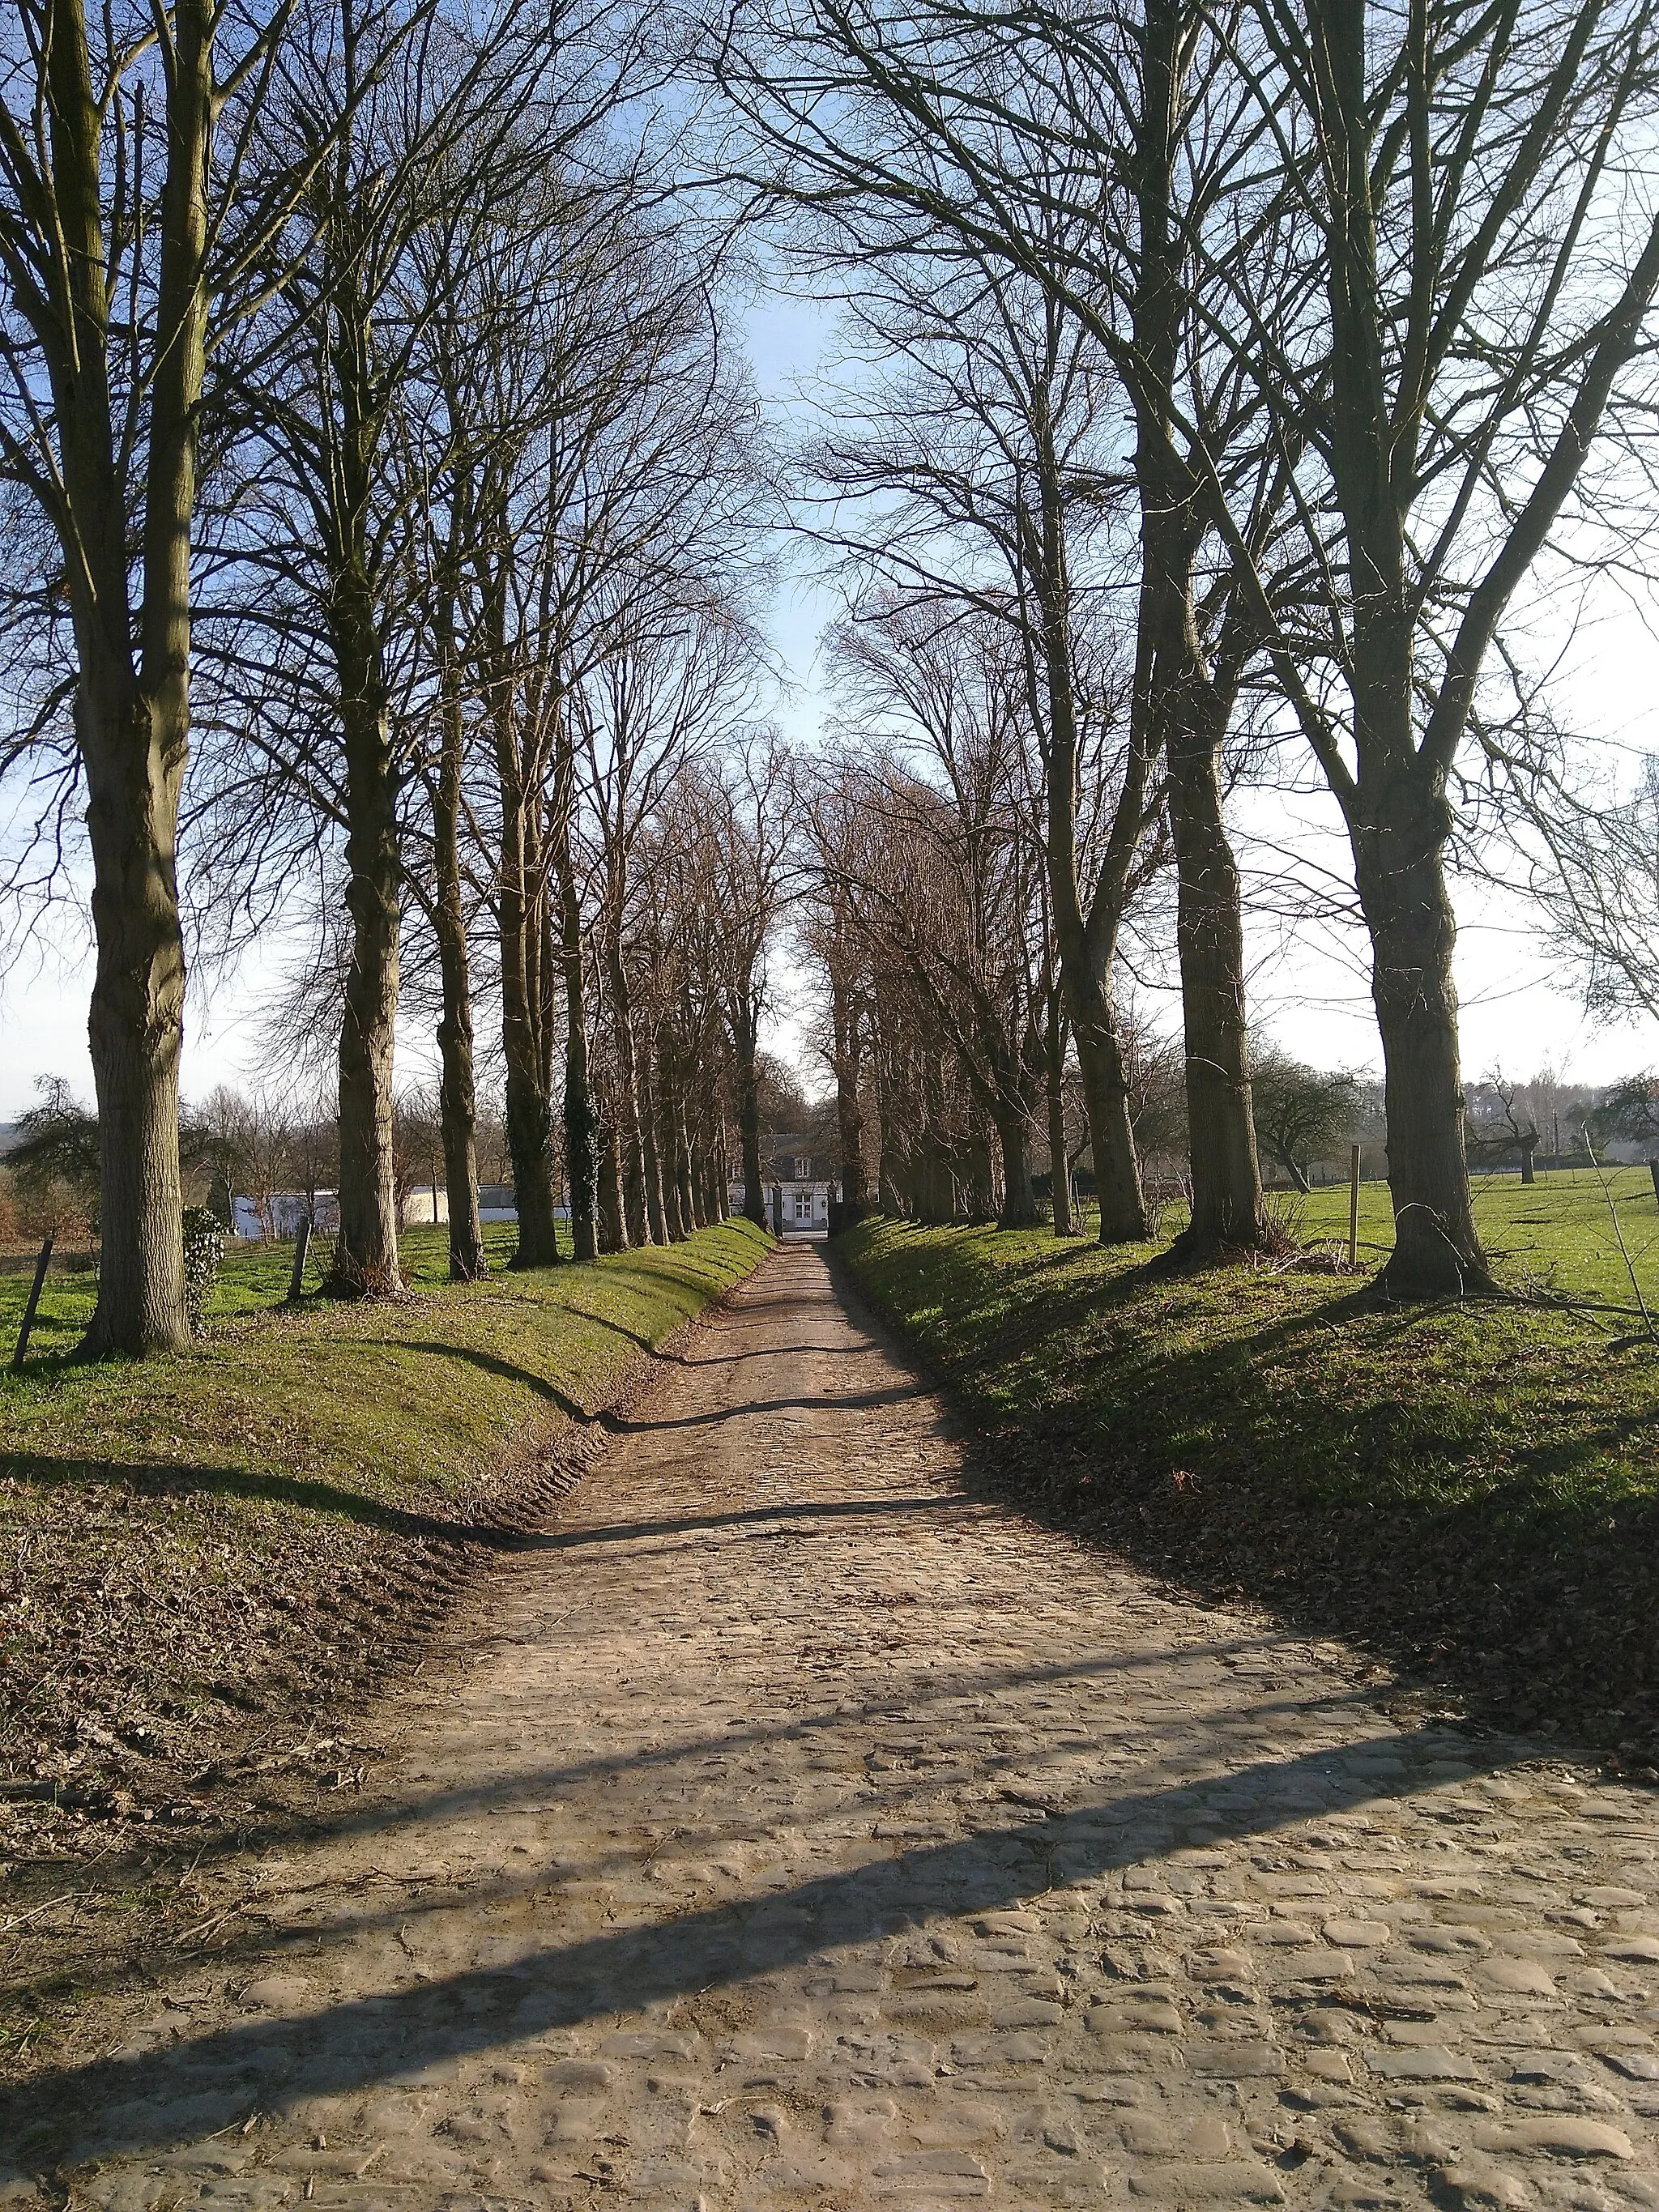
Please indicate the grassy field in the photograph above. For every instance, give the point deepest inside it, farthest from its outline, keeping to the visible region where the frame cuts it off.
(1475, 1488)
(1557, 1234)
(233, 1538)
(254, 1279)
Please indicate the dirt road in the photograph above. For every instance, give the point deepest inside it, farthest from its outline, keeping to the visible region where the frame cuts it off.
(806, 1831)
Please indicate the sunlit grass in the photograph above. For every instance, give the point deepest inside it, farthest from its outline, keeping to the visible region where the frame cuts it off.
(422, 1390)
(1477, 1480)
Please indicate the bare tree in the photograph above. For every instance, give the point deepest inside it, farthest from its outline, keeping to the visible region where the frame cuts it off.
(1485, 292)
(127, 223)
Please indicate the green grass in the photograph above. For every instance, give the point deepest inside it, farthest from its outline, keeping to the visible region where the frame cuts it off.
(1557, 1233)
(177, 1535)
(386, 1397)
(1475, 1484)
(254, 1279)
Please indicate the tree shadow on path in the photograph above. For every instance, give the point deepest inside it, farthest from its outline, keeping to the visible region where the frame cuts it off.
(198, 2087)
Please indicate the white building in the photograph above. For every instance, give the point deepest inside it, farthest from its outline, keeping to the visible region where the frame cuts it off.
(797, 1185)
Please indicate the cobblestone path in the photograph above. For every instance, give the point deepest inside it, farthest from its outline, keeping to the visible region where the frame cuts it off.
(809, 1832)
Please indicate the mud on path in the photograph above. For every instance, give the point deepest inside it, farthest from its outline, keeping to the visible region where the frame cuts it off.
(809, 1831)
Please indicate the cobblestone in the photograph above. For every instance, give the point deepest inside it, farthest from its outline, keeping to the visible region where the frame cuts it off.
(803, 1830)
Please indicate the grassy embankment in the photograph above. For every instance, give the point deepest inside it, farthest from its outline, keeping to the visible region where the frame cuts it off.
(1474, 1489)
(203, 1555)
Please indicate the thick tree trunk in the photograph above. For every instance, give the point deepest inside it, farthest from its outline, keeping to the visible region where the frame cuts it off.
(1228, 1211)
(1018, 1209)
(1297, 1177)
(520, 898)
(629, 1137)
(682, 1163)
(580, 1135)
(720, 1155)
(133, 732)
(849, 1119)
(983, 1202)
(1060, 1172)
(613, 1231)
(136, 1021)
(748, 1089)
(1400, 874)
(889, 1164)
(456, 1093)
(1184, 711)
(1086, 945)
(697, 1180)
(655, 1213)
(366, 1250)
(668, 1143)
(1111, 1133)
(529, 1108)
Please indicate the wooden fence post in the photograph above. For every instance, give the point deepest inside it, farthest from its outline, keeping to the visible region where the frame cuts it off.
(17, 1357)
(1353, 1205)
(302, 1246)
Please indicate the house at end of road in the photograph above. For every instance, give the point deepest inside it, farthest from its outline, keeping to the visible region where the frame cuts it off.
(797, 1184)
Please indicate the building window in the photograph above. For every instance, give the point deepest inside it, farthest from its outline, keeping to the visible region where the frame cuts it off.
(802, 1206)
(803, 1169)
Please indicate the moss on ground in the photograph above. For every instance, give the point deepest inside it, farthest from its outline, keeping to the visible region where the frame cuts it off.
(1472, 1489)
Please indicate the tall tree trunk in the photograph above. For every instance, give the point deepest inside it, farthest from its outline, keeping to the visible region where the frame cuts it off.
(613, 1230)
(581, 1152)
(1183, 711)
(1018, 1209)
(519, 897)
(668, 1140)
(743, 1048)
(847, 1038)
(133, 730)
(366, 1251)
(655, 1212)
(136, 1019)
(1059, 1162)
(458, 1106)
(689, 1221)
(889, 1164)
(1086, 945)
(1400, 871)
(983, 1197)
(1228, 1206)
(696, 1172)
(629, 1135)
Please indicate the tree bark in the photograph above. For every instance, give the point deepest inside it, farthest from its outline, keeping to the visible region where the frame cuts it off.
(847, 1038)
(1183, 711)
(613, 1231)
(1086, 945)
(529, 1108)
(1229, 1210)
(132, 726)
(366, 1250)
(748, 1090)
(457, 1092)
(1018, 1209)
(580, 1151)
(1400, 871)
(629, 1136)
(655, 1212)
(1060, 1173)
(677, 1226)
(136, 1019)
